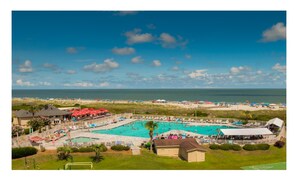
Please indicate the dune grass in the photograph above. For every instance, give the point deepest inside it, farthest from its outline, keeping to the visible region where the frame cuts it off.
(215, 160)
(157, 109)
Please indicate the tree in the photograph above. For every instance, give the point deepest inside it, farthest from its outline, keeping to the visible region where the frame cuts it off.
(33, 109)
(36, 124)
(98, 148)
(151, 126)
(64, 153)
(17, 131)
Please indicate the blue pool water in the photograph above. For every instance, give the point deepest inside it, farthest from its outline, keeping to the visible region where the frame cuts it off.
(137, 129)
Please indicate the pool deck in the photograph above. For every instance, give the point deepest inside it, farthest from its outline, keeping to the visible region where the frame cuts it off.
(136, 141)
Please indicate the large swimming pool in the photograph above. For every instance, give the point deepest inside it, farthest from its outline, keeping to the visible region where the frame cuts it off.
(137, 129)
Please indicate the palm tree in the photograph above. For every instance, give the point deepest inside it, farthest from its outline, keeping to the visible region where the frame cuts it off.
(151, 126)
(98, 148)
(33, 109)
(64, 153)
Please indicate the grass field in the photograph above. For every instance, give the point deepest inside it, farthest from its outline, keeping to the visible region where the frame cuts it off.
(215, 160)
(273, 166)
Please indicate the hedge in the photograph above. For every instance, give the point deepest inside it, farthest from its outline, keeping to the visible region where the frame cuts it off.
(236, 147)
(120, 148)
(225, 147)
(263, 146)
(23, 152)
(249, 147)
(214, 146)
(253, 147)
(87, 149)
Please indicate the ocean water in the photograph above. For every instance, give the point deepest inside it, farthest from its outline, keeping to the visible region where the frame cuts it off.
(137, 129)
(213, 95)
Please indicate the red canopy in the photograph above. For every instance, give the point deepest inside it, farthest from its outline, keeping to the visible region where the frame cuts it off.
(36, 138)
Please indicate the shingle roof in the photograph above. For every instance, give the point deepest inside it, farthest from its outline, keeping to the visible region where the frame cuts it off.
(189, 144)
(50, 110)
(23, 113)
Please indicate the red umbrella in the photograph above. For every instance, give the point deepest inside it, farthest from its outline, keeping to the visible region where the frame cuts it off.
(36, 138)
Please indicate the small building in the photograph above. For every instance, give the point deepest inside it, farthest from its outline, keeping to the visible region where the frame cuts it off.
(135, 150)
(54, 114)
(274, 124)
(22, 117)
(187, 149)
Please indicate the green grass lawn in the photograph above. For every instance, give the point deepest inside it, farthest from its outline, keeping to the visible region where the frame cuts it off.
(273, 166)
(215, 160)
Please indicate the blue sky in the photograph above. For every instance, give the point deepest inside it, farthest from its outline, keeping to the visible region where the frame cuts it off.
(67, 50)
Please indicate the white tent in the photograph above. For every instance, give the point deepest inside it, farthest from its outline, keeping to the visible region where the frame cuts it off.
(246, 132)
(276, 121)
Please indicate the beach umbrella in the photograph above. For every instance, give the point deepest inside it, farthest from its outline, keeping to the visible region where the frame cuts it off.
(36, 138)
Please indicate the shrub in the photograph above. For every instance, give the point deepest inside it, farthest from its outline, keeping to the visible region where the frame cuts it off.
(27, 131)
(120, 148)
(279, 144)
(64, 153)
(86, 149)
(262, 146)
(252, 147)
(23, 152)
(103, 148)
(214, 146)
(226, 147)
(236, 147)
(249, 147)
(74, 149)
(200, 114)
(147, 145)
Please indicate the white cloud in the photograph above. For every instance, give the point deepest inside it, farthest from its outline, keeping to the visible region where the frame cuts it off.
(45, 83)
(52, 67)
(169, 41)
(156, 63)
(125, 13)
(71, 72)
(135, 36)
(79, 84)
(123, 51)
(198, 74)
(259, 72)
(104, 84)
(188, 56)
(137, 60)
(26, 67)
(175, 68)
(106, 66)
(240, 69)
(20, 82)
(74, 50)
(275, 33)
(71, 50)
(279, 68)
